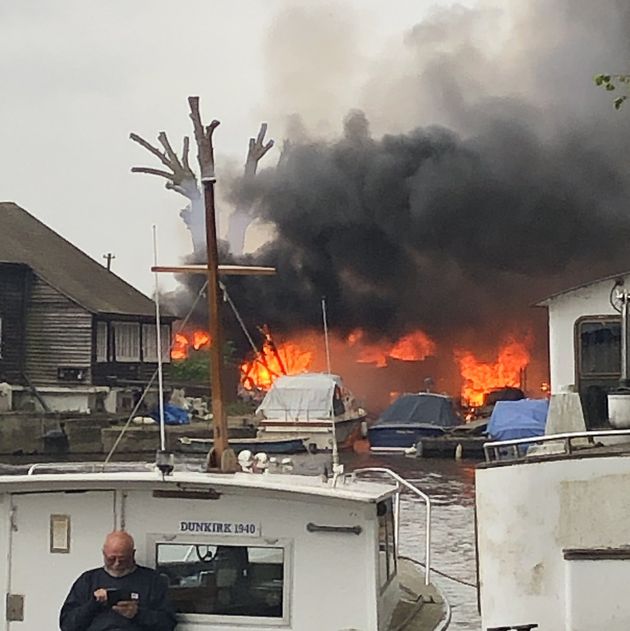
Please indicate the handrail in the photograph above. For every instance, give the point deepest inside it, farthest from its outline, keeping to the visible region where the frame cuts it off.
(86, 467)
(427, 500)
(492, 448)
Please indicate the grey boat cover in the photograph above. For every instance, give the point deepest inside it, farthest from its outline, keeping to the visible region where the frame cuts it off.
(423, 408)
(300, 397)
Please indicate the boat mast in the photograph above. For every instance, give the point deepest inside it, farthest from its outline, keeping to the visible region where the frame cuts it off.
(335, 449)
(158, 335)
(325, 318)
(220, 455)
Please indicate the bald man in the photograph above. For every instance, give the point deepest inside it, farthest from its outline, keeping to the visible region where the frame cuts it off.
(145, 605)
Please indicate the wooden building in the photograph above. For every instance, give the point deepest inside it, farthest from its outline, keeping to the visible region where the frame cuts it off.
(73, 335)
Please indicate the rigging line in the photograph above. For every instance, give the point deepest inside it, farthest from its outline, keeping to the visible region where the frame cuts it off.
(444, 574)
(153, 376)
(237, 315)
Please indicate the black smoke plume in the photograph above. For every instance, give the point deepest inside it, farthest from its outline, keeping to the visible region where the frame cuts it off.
(456, 228)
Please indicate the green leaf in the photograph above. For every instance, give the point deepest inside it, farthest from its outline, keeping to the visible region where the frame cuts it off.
(618, 102)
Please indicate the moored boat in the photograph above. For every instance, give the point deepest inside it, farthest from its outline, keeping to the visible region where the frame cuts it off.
(411, 418)
(552, 510)
(241, 551)
(313, 406)
(188, 444)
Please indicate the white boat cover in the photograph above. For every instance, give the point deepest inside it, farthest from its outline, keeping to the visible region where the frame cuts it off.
(300, 397)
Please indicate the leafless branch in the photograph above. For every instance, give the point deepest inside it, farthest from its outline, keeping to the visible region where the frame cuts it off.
(256, 150)
(203, 136)
(181, 177)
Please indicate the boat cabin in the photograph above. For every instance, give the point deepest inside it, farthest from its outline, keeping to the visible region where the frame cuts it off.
(552, 510)
(240, 552)
(585, 343)
(314, 407)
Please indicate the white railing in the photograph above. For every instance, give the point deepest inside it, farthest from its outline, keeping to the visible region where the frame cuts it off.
(509, 449)
(427, 501)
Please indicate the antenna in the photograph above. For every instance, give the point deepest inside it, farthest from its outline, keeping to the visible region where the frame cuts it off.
(164, 461)
(325, 318)
(337, 468)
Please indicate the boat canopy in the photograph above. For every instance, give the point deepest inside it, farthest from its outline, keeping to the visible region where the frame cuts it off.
(301, 397)
(423, 408)
(518, 419)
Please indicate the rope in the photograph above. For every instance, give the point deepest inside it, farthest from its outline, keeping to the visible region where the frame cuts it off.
(237, 315)
(153, 376)
(444, 574)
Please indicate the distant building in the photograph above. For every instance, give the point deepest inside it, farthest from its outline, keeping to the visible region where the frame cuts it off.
(585, 343)
(73, 335)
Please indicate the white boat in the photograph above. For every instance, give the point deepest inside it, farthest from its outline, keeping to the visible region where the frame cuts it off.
(241, 552)
(553, 511)
(313, 406)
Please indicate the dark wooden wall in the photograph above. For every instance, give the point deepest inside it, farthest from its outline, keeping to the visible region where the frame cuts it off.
(59, 334)
(14, 287)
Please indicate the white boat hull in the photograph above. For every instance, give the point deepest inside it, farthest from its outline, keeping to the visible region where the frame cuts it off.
(317, 434)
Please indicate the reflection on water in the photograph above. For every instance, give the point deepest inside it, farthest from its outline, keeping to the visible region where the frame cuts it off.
(450, 485)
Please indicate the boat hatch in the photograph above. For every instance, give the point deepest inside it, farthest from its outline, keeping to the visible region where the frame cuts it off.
(239, 583)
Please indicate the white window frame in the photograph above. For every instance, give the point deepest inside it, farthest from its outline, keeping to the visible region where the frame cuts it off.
(102, 342)
(132, 351)
(149, 343)
(254, 542)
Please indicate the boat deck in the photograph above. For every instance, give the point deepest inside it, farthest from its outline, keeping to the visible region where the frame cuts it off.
(422, 607)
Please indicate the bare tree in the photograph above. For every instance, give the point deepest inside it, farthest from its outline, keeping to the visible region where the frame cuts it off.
(179, 178)
(241, 217)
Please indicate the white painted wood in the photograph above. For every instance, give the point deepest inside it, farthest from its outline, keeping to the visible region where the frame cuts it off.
(44, 578)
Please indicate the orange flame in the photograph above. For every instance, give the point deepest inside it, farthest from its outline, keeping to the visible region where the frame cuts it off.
(185, 341)
(482, 377)
(288, 358)
(200, 339)
(414, 346)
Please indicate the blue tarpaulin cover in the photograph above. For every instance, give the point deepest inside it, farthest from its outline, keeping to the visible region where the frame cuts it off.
(173, 415)
(518, 419)
(422, 408)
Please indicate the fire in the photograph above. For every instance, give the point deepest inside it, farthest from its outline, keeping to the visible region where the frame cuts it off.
(482, 377)
(185, 341)
(200, 339)
(414, 346)
(288, 358)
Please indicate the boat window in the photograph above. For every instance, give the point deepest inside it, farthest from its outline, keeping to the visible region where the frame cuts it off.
(227, 580)
(386, 544)
(599, 346)
(338, 406)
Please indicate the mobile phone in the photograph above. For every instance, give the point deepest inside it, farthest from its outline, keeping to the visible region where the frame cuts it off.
(114, 596)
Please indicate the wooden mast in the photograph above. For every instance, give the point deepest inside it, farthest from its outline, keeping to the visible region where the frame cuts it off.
(220, 456)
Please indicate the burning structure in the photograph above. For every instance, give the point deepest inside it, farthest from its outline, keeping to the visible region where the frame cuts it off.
(487, 193)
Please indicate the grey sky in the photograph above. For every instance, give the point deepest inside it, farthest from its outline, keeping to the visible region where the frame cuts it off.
(78, 75)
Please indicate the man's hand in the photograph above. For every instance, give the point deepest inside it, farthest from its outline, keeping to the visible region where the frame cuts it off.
(100, 595)
(126, 608)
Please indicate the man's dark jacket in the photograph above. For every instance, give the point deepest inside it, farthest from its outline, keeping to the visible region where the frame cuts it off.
(81, 612)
